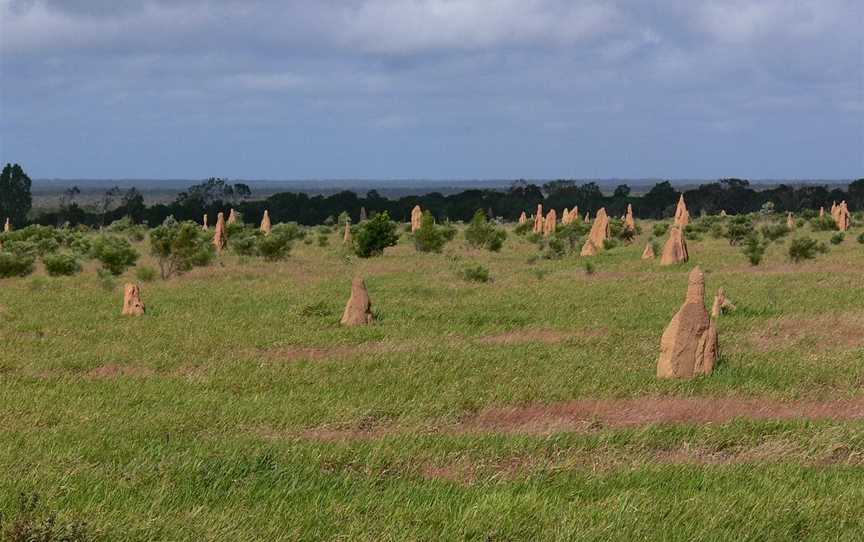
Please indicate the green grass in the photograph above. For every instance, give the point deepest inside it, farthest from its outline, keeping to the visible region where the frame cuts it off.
(196, 422)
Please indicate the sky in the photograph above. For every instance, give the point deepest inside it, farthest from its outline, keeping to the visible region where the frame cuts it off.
(433, 89)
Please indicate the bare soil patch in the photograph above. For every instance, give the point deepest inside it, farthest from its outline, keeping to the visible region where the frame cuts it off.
(337, 352)
(546, 336)
(112, 371)
(827, 331)
(594, 414)
(588, 415)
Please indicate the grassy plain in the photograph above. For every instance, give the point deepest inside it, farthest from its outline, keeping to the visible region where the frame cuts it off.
(521, 409)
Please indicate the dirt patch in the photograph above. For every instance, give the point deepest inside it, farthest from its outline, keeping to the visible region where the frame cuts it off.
(826, 331)
(546, 336)
(338, 352)
(594, 414)
(465, 471)
(112, 371)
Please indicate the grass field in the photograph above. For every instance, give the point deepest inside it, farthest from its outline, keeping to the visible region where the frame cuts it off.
(526, 408)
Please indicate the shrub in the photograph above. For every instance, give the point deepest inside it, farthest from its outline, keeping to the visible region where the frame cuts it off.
(861, 238)
(115, 253)
(374, 235)
(33, 240)
(428, 237)
(589, 267)
(825, 223)
(448, 230)
(483, 234)
(145, 274)
(609, 244)
(523, 229)
(179, 246)
(475, 273)
(739, 228)
(245, 242)
(126, 227)
(61, 264)
(837, 238)
(554, 248)
(15, 265)
(774, 232)
(660, 229)
(572, 234)
(323, 240)
(805, 248)
(277, 246)
(754, 250)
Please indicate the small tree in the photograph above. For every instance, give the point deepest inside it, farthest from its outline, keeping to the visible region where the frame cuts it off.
(805, 248)
(754, 249)
(482, 234)
(740, 227)
(429, 237)
(179, 246)
(15, 197)
(374, 235)
(277, 245)
(115, 253)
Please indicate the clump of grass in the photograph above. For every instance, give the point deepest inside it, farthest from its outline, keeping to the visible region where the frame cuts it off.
(860, 238)
(589, 267)
(34, 524)
(475, 273)
(837, 238)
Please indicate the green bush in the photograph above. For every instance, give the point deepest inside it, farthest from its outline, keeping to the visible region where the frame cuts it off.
(15, 265)
(805, 248)
(825, 223)
(323, 240)
(475, 273)
(609, 244)
(660, 229)
(126, 227)
(244, 240)
(277, 246)
(754, 250)
(483, 234)
(33, 240)
(180, 246)
(145, 274)
(775, 232)
(428, 237)
(374, 235)
(589, 267)
(524, 228)
(861, 238)
(837, 238)
(115, 253)
(740, 228)
(61, 264)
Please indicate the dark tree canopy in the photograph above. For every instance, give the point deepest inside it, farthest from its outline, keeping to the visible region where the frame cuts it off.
(15, 197)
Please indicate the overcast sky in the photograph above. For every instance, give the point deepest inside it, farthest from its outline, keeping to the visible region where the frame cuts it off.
(283, 89)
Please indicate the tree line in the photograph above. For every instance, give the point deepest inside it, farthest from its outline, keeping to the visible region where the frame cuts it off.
(214, 195)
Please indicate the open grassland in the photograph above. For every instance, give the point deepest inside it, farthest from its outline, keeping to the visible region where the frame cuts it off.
(521, 409)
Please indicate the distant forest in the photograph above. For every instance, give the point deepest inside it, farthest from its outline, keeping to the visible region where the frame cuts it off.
(735, 196)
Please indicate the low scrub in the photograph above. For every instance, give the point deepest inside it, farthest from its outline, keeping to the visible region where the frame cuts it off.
(61, 264)
(15, 265)
(805, 248)
(115, 253)
(481, 233)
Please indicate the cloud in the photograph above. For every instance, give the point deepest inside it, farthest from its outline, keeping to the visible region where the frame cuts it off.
(465, 73)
